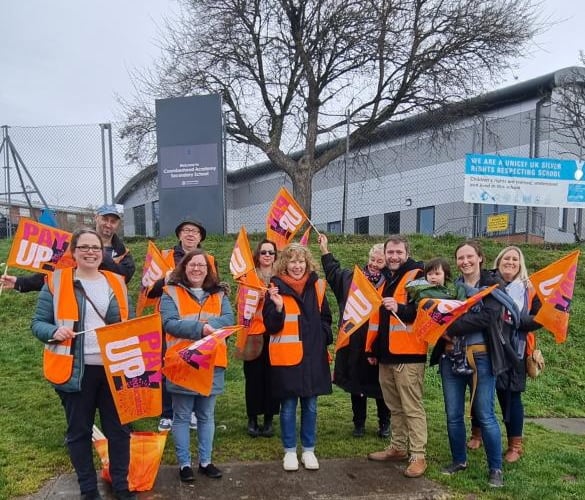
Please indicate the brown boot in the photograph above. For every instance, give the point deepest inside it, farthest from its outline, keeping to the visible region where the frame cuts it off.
(416, 467)
(474, 442)
(514, 451)
(388, 455)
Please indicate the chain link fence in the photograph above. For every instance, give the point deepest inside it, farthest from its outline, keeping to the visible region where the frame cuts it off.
(409, 178)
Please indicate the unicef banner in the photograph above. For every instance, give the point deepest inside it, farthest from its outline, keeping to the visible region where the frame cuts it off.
(510, 180)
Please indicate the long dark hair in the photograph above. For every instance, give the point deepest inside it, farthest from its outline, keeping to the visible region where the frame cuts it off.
(179, 274)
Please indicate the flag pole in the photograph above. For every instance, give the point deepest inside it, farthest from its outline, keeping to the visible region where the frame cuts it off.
(52, 341)
(4, 274)
(396, 316)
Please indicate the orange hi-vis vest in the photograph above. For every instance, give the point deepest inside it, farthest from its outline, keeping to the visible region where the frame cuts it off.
(373, 323)
(286, 347)
(58, 357)
(190, 309)
(401, 340)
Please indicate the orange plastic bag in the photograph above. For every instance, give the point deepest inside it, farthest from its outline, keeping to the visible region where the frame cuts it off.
(146, 449)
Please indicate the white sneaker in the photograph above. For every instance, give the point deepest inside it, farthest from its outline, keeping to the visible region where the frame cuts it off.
(193, 423)
(165, 424)
(310, 460)
(290, 462)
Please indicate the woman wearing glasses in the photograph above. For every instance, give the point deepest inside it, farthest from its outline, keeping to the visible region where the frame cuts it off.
(259, 400)
(75, 300)
(194, 305)
(191, 234)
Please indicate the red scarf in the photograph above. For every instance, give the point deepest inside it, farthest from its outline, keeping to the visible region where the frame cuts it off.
(297, 285)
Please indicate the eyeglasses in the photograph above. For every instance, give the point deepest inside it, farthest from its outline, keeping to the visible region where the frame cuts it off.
(196, 266)
(267, 252)
(189, 230)
(87, 248)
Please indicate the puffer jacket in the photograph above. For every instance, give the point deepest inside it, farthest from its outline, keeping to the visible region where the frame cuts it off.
(43, 327)
(192, 329)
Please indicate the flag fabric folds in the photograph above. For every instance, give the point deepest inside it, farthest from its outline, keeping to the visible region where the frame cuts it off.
(155, 267)
(362, 299)
(132, 356)
(40, 248)
(190, 364)
(250, 291)
(554, 285)
(435, 315)
(285, 218)
(305, 237)
(241, 261)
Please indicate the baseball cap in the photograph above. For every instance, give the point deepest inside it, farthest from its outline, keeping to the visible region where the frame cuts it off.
(108, 210)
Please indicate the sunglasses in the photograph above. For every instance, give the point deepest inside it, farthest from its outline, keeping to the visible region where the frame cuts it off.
(267, 252)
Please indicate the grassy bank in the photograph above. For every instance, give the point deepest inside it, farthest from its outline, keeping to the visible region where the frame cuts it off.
(32, 421)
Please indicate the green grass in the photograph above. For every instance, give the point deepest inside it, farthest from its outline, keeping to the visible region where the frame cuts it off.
(32, 421)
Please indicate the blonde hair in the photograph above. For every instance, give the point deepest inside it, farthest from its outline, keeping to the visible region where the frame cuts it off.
(291, 252)
(523, 273)
(377, 248)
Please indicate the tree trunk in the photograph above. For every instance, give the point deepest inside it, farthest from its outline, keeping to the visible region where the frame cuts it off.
(302, 187)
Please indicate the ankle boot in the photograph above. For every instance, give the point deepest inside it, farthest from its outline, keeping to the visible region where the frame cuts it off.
(253, 429)
(514, 451)
(267, 429)
(475, 441)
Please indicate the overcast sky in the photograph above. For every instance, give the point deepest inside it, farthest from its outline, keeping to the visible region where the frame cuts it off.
(63, 61)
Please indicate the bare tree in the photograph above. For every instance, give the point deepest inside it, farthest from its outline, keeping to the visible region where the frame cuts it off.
(568, 119)
(288, 71)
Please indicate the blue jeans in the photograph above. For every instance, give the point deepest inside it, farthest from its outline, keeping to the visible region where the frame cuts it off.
(288, 423)
(204, 407)
(454, 390)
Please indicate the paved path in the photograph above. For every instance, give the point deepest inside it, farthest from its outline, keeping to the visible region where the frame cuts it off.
(355, 479)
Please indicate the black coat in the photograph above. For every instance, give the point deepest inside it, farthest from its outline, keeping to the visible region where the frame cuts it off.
(352, 371)
(311, 377)
(514, 379)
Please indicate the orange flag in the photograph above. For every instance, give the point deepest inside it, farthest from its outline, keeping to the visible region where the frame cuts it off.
(40, 248)
(362, 299)
(305, 237)
(191, 364)
(132, 356)
(241, 261)
(155, 267)
(554, 286)
(284, 219)
(435, 315)
(250, 292)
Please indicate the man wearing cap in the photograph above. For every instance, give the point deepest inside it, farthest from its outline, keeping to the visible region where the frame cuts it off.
(117, 258)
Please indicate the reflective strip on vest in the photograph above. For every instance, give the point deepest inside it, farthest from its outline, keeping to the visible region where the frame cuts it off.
(190, 309)
(401, 339)
(286, 347)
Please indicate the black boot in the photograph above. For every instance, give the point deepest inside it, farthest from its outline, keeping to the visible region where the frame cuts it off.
(253, 429)
(267, 429)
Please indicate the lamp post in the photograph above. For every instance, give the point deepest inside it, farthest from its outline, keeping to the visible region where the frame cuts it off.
(345, 159)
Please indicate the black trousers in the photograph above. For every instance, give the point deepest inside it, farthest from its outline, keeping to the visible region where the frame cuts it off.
(359, 406)
(259, 399)
(80, 408)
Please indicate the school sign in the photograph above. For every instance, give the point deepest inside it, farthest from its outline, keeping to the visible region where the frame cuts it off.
(534, 182)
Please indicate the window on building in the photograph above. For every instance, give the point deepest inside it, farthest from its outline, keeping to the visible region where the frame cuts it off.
(71, 219)
(564, 219)
(361, 225)
(156, 218)
(24, 212)
(88, 220)
(334, 227)
(139, 220)
(425, 220)
(392, 223)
